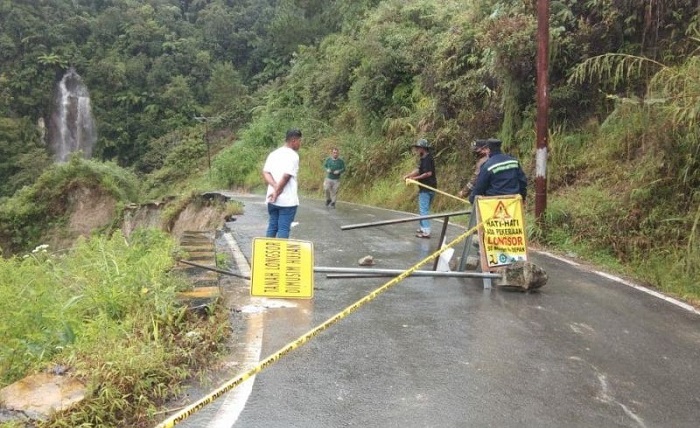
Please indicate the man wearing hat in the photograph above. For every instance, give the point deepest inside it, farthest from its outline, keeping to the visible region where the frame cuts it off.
(425, 175)
(501, 174)
(480, 148)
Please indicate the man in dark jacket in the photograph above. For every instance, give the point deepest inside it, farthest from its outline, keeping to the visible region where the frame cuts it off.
(500, 175)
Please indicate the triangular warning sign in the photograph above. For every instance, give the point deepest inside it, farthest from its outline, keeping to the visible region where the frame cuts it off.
(501, 212)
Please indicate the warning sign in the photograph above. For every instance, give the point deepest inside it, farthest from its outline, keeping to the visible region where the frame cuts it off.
(502, 236)
(282, 268)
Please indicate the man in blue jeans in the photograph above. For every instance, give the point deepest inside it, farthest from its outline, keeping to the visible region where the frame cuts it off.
(280, 173)
(424, 174)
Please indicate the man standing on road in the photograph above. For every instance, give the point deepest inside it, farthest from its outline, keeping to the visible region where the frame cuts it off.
(334, 166)
(501, 174)
(424, 174)
(280, 173)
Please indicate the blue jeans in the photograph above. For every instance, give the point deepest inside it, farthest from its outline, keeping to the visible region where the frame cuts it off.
(424, 201)
(280, 221)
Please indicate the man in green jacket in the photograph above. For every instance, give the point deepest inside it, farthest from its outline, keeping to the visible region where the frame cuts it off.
(334, 167)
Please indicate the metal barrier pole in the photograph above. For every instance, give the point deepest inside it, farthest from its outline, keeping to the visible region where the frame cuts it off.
(442, 239)
(467, 243)
(365, 271)
(402, 220)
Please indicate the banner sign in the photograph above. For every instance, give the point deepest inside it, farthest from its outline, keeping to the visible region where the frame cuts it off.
(502, 237)
(282, 268)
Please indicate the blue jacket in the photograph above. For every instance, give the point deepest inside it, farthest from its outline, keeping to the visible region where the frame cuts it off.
(500, 175)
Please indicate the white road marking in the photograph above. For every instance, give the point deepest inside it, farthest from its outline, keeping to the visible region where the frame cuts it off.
(234, 401)
(649, 291)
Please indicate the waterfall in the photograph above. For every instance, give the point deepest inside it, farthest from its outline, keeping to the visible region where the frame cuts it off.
(72, 126)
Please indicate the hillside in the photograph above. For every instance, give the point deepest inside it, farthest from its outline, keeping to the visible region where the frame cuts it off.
(168, 79)
(182, 97)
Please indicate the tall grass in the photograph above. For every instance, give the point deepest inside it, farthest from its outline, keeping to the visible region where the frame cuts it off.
(107, 310)
(630, 203)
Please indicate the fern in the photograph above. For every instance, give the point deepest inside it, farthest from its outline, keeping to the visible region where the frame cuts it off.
(613, 67)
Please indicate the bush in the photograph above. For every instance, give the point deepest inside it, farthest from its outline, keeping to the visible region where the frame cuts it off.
(239, 166)
(108, 311)
(33, 211)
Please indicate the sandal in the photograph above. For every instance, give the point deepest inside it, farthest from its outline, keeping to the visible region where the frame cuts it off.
(422, 235)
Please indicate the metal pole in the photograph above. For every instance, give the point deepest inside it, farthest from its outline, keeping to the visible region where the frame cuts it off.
(206, 140)
(542, 109)
(467, 243)
(402, 220)
(322, 269)
(359, 275)
(213, 269)
(442, 239)
(205, 120)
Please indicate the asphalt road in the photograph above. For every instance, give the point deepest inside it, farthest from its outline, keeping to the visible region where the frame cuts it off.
(584, 351)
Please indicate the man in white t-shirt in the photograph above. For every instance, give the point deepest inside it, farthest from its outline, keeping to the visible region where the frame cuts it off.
(280, 173)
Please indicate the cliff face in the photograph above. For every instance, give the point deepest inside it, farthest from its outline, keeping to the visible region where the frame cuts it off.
(88, 209)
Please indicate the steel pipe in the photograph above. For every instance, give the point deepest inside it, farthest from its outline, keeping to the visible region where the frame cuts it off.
(402, 220)
(213, 269)
(323, 269)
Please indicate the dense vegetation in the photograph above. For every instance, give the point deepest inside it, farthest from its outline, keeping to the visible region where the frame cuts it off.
(106, 312)
(178, 85)
(623, 172)
(371, 76)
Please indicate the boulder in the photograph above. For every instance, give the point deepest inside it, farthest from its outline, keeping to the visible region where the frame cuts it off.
(524, 276)
(366, 261)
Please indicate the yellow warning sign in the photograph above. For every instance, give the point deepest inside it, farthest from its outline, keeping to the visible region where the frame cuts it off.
(282, 268)
(502, 237)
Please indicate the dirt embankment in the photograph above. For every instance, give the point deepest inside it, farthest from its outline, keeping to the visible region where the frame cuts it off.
(91, 210)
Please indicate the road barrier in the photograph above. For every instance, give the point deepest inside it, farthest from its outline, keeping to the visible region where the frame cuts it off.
(231, 384)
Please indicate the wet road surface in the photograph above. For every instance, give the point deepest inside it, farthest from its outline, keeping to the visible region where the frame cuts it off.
(584, 351)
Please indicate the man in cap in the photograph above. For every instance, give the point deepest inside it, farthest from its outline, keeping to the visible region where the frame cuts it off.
(425, 175)
(480, 148)
(501, 174)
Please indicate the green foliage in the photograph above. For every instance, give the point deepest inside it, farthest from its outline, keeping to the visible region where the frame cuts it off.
(227, 92)
(451, 75)
(366, 76)
(178, 155)
(26, 216)
(50, 301)
(150, 67)
(22, 156)
(108, 311)
(239, 166)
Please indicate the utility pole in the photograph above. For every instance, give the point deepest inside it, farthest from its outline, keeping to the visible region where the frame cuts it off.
(205, 121)
(542, 109)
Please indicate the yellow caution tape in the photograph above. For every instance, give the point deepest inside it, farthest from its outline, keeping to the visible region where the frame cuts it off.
(412, 181)
(228, 386)
(231, 384)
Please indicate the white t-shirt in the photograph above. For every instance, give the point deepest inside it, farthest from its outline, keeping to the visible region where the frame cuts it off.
(284, 161)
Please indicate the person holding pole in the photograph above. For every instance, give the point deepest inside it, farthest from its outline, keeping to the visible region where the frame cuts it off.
(501, 174)
(280, 173)
(425, 175)
(481, 149)
(334, 166)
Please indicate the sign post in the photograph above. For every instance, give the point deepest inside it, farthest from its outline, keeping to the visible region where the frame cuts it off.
(282, 268)
(502, 237)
